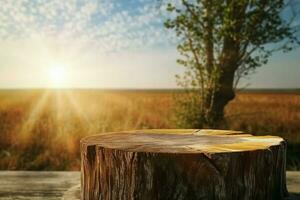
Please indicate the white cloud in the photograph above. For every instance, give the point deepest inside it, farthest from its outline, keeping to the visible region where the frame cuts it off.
(116, 25)
(88, 66)
(104, 41)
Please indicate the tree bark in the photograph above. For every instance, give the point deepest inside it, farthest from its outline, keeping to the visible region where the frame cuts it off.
(182, 164)
(223, 92)
(218, 98)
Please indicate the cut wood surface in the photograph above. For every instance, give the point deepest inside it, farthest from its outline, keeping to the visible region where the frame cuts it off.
(182, 164)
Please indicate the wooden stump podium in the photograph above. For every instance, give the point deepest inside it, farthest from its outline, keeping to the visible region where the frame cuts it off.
(182, 165)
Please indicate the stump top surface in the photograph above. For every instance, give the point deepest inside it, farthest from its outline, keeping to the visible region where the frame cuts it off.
(181, 141)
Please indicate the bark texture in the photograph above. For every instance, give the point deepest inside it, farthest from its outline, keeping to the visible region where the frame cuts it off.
(182, 164)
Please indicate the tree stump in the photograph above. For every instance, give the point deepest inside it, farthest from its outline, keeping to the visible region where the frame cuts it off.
(182, 164)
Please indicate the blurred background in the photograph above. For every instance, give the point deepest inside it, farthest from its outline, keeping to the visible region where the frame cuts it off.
(73, 68)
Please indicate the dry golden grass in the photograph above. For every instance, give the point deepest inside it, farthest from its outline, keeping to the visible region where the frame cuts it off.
(264, 113)
(41, 129)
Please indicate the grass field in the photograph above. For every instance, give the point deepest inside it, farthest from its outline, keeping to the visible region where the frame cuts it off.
(41, 129)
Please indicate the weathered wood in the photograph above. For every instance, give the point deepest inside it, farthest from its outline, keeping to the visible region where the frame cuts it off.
(33, 185)
(66, 185)
(182, 164)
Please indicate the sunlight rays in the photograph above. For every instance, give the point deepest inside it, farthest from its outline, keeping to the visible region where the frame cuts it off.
(60, 113)
(60, 106)
(72, 114)
(34, 115)
(78, 109)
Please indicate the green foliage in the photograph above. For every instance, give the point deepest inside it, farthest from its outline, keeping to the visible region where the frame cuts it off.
(220, 42)
(187, 110)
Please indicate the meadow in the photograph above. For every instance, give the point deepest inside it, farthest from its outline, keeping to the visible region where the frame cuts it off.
(41, 129)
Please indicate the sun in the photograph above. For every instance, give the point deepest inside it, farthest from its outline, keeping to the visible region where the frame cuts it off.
(57, 75)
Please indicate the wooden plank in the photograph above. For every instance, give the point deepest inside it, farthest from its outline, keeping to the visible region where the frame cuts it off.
(66, 185)
(23, 185)
(293, 184)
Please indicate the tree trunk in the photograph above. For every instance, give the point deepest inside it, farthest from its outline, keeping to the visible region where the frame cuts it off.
(182, 164)
(223, 92)
(218, 98)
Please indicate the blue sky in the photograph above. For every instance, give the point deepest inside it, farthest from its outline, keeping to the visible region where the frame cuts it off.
(105, 44)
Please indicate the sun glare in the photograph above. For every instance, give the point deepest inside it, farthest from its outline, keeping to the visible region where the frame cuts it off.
(57, 75)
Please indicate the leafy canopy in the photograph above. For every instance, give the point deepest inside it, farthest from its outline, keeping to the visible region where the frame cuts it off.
(221, 41)
(257, 27)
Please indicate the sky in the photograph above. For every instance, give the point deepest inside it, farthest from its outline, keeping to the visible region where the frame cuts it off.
(103, 44)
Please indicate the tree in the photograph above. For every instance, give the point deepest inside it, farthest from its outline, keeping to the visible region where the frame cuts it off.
(220, 42)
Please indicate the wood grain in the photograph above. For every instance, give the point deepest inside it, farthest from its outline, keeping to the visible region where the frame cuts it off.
(52, 185)
(37, 185)
(182, 164)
